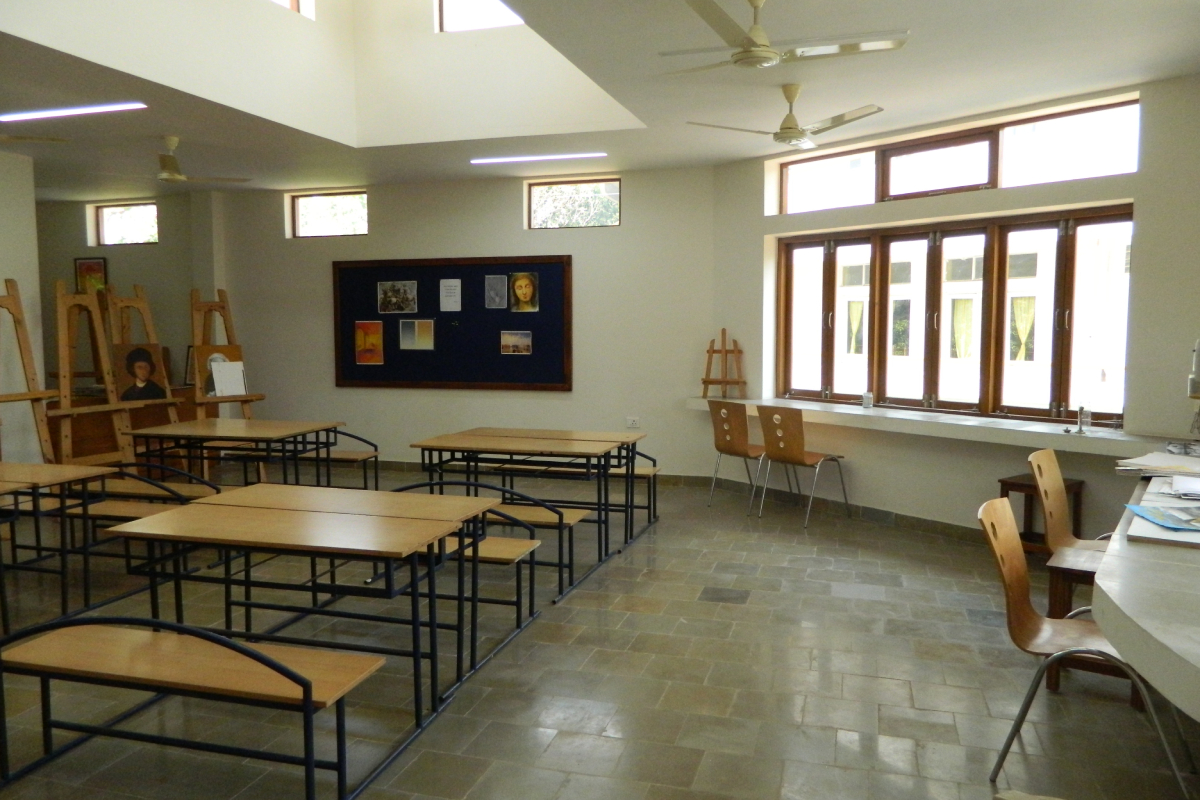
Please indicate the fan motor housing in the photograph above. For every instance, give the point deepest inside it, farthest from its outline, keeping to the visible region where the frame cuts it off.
(756, 57)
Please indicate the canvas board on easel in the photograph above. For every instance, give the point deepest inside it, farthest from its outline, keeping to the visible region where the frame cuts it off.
(205, 357)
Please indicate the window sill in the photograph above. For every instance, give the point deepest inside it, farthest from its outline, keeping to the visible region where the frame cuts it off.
(1017, 433)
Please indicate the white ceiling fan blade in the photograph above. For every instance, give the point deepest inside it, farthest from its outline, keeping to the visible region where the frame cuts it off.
(727, 128)
(723, 24)
(695, 51)
(830, 50)
(873, 40)
(840, 120)
(705, 68)
(201, 179)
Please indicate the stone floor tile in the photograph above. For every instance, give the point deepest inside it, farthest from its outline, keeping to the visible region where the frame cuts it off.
(501, 741)
(821, 782)
(655, 762)
(582, 752)
(737, 776)
(955, 699)
(873, 752)
(715, 700)
(850, 715)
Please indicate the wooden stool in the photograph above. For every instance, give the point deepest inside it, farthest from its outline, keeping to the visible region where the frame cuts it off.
(1031, 541)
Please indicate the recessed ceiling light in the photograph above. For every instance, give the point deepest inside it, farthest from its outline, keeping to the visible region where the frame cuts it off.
(559, 157)
(18, 116)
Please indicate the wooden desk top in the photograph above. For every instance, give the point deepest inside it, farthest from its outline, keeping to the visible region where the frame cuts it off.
(49, 474)
(405, 505)
(542, 433)
(1145, 600)
(8, 487)
(250, 430)
(188, 663)
(303, 531)
(513, 445)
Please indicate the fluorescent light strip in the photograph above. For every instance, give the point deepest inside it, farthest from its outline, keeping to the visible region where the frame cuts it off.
(509, 159)
(19, 116)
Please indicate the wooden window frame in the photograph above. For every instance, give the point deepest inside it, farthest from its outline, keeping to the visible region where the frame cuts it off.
(994, 295)
(884, 153)
(529, 202)
(296, 198)
(98, 209)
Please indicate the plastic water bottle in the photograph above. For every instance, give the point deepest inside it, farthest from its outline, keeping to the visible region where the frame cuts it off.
(868, 399)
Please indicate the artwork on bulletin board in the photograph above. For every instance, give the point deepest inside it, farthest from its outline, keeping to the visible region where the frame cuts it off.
(368, 342)
(468, 327)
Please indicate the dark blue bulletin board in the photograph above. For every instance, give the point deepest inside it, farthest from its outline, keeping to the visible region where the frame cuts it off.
(393, 326)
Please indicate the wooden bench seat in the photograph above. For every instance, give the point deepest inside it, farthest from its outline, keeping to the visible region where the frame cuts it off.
(131, 487)
(346, 456)
(539, 517)
(168, 661)
(499, 549)
(123, 510)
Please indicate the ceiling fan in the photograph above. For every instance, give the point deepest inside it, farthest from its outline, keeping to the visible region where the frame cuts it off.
(751, 48)
(791, 132)
(5, 137)
(169, 172)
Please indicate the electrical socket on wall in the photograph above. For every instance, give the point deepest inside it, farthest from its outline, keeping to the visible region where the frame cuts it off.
(633, 422)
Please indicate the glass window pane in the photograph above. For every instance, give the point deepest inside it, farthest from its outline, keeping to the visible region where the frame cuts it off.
(960, 321)
(473, 15)
(830, 183)
(808, 265)
(1084, 145)
(906, 320)
(850, 319)
(331, 215)
(944, 168)
(1029, 318)
(594, 204)
(129, 224)
(1100, 316)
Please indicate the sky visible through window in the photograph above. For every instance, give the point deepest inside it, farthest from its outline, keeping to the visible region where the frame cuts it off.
(137, 224)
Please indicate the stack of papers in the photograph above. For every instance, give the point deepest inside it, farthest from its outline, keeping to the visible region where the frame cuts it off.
(1161, 464)
(1185, 518)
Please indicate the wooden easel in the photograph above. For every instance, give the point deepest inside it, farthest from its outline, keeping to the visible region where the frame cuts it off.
(204, 326)
(33, 394)
(730, 357)
(120, 324)
(72, 308)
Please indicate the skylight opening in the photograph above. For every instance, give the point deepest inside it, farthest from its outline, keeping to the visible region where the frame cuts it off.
(306, 8)
(474, 15)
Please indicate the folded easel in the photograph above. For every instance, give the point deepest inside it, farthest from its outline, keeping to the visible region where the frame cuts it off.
(33, 394)
(204, 327)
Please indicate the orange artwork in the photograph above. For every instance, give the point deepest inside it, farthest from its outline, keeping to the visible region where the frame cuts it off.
(368, 342)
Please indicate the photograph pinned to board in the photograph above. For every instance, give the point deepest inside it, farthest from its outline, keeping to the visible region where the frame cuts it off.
(368, 342)
(516, 343)
(136, 368)
(397, 297)
(416, 334)
(450, 294)
(523, 291)
(495, 291)
(208, 357)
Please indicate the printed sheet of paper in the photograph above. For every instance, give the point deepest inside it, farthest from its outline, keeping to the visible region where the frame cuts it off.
(229, 378)
(451, 294)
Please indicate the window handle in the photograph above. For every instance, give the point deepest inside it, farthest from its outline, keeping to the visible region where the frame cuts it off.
(829, 320)
(1058, 319)
(1067, 325)
(935, 320)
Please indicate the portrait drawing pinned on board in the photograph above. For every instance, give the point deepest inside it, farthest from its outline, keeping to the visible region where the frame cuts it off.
(139, 372)
(397, 297)
(495, 291)
(523, 291)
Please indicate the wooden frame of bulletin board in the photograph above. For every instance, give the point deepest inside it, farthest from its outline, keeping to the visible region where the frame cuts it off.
(454, 323)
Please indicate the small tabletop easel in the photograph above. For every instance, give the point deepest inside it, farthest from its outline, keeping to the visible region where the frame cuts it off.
(203, 333)
(730, 357)
(35, 396)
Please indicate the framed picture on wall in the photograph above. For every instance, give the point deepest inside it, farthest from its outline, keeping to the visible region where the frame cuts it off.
(91, 275)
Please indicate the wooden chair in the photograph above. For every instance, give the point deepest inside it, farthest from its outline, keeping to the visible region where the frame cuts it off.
(1073, 560)
(1050, 639)
(731, 437)
(783, 435)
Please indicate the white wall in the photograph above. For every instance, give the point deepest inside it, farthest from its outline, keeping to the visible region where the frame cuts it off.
(18, 260)
(946, 480)
(641, 322)
(164, 269)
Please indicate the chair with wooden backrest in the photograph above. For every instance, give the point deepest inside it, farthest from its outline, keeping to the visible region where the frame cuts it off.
(1050, 639)
(731, 437)
(1055, 508)
(783, 435)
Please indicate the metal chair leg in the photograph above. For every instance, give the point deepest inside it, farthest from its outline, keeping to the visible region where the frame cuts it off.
(1187, 748)
(754, 486)
(766, 482)
(713, 488)
(842, 478)
(1036, 684)
(813, 494)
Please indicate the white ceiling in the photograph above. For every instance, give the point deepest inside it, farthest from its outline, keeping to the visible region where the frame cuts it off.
(963, 59)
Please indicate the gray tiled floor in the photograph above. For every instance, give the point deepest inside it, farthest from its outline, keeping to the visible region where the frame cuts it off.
(719, 657)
